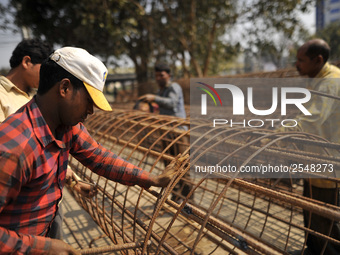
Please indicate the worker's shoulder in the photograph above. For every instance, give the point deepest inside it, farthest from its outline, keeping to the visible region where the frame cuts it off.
(15, 131)
(5, 84)
(3, 89)
(175, 86)
(334, 72)
(3, 92)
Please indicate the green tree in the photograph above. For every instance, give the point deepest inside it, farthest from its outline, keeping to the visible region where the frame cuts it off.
(69, 22)
(201, 35)
(273, 28)
(194, 30)
(105, 28)
(331, 34)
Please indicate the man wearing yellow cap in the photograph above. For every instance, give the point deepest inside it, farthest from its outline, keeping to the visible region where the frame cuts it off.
(35, 144)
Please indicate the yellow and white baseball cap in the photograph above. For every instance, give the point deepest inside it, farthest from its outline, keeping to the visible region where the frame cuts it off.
(87, 68)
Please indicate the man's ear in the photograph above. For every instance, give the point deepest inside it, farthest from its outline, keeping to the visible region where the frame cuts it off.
(320, 60)
(26, 60)
(65, 87)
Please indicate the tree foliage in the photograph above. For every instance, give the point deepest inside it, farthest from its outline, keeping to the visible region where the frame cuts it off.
(331, 34)
(195, 28)
(273, 28)
(198, 34)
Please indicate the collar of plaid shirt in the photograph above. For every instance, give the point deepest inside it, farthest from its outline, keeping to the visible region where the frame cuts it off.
(32, 172)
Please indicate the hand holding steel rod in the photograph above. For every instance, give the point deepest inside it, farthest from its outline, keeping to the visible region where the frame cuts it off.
(86, 189)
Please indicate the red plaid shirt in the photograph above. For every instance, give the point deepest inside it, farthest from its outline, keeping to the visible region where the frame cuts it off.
(32, 174)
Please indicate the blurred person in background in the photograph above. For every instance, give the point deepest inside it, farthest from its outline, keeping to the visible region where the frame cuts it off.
(169, 97)
(170, 101)
(21, 83)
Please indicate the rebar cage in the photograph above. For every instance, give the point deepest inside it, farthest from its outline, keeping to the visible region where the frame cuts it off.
(198, 214)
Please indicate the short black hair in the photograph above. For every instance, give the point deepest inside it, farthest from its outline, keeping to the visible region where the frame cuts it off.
(51, 73)
(316, 48)
(160, 67)
(36, 49)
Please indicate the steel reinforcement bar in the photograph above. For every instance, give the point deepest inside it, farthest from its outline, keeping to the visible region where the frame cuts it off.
(203, 211)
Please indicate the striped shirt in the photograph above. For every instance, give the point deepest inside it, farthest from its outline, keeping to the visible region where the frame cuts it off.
(33, 166)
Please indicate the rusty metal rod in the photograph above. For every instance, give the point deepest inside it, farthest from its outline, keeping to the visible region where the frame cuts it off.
(323, 94)
(139, 222)
(216, 225)
(315, 208)
(111, 248)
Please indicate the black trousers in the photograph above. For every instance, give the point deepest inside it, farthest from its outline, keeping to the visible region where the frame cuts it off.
(56, 230)
(321, 224)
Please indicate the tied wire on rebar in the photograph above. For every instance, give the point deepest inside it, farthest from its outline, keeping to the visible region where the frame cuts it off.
(205, 213)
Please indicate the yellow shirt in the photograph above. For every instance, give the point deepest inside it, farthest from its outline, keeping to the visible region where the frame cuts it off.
(325, 112)
(11, 98)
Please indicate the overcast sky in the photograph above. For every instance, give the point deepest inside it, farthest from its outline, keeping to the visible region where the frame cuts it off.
(8, 41)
